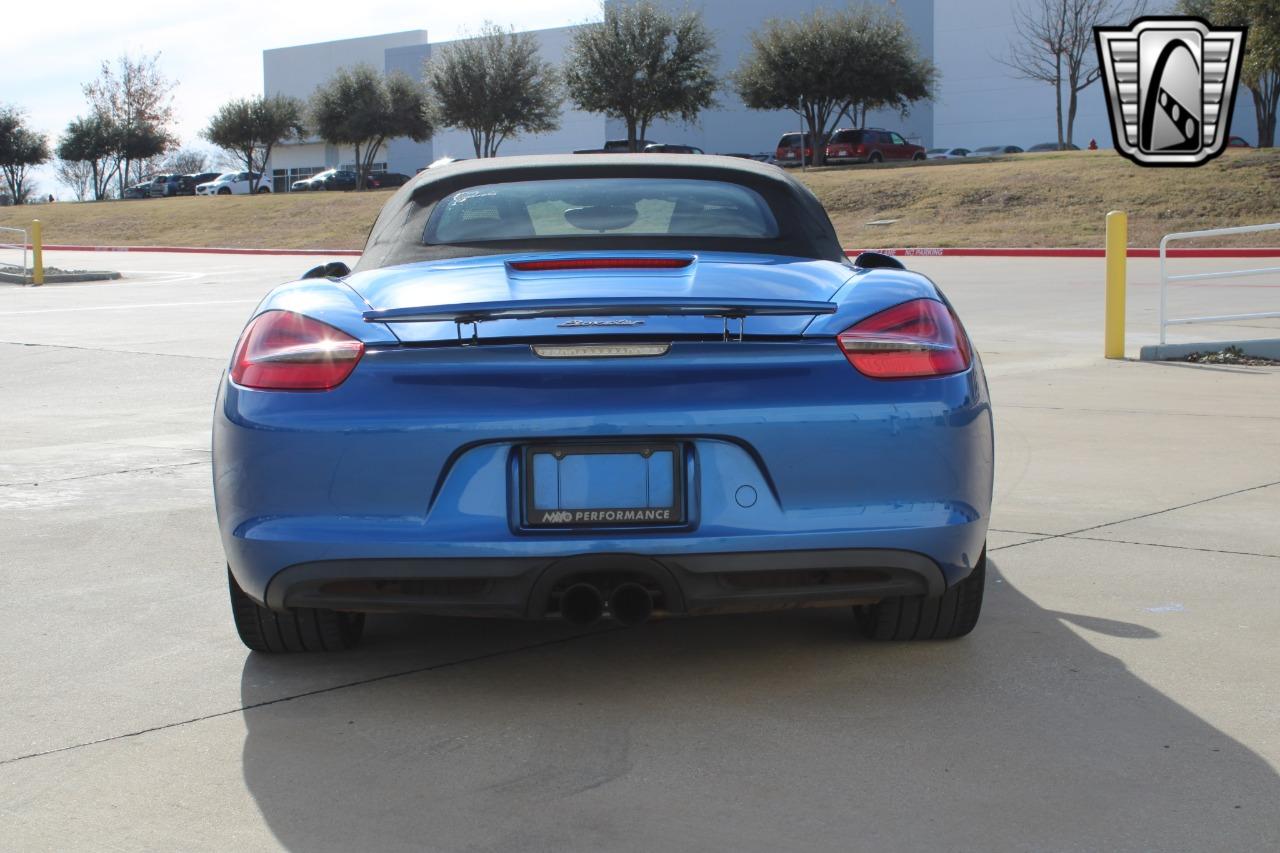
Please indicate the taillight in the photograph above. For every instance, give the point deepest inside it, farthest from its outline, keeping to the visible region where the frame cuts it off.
(917, 338)
(284, 351)
(861, 149)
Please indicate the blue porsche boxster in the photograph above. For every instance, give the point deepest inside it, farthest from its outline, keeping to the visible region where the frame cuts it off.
(605, 387)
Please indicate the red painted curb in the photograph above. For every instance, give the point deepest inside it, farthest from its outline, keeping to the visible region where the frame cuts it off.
(196, 250)
(1077, 253)
(949, 252)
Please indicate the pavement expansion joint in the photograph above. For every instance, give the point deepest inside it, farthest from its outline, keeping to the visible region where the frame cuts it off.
(116, 351)
(1153, 412)
(1075, 534)
(333, 688)
(105, 474)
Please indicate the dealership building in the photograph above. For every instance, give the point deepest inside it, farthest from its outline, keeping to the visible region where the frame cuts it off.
(979, 102)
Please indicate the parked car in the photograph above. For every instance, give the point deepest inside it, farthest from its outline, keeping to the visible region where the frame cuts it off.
(186, 184)
(1238, 142)
(615, 146)
(159, 185)
(669, 148)
(329, 179)
(1052, 146)
(620, 146)
(759, 158)
(870, 145)
(790, 150)
(383, 180)
(142, 190)
(947, 153)
(234, 183)
(995, 150)
(560, 426)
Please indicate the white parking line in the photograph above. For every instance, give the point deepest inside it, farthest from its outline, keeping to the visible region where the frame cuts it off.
(130, 306)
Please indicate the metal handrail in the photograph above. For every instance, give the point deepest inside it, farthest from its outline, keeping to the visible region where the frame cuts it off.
(1165, 278)
(26, 243)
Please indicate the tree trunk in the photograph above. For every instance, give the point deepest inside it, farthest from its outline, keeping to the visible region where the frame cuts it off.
(266, 158)
(1057, 98)
(1072, 103)
(359, 168)
(1266, 97)
(631, 134)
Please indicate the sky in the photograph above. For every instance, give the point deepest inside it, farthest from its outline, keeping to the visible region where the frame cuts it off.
(213, 50)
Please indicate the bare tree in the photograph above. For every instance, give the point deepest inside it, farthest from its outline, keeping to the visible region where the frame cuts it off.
(75, 175)
(1055, 44)
(187, 161)
(137, 99)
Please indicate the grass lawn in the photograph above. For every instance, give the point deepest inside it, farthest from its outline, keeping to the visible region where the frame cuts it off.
(1045, 200)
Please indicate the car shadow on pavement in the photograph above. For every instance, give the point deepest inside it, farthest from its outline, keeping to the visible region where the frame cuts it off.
(762, 732)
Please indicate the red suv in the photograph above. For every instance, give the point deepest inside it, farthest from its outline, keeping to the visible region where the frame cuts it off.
(788, 153)
(873, 145)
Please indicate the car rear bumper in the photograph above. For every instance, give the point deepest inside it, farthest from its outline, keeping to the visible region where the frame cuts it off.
(680, 584)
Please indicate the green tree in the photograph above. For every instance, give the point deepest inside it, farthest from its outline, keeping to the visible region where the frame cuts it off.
(494, 86)
(249, 128)
(20, 149)
(364, 108)
(641, 64)
(830, 65)
(136, 98)
(92, 140)
(1260, 69)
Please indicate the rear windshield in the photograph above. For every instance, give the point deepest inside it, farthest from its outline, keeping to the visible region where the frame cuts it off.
(634, 207)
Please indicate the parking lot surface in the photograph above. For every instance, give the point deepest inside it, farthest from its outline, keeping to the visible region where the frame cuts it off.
(1121, 692)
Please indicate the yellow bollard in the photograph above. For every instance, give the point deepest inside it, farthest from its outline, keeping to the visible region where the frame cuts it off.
(37, 252)
(1117, 249)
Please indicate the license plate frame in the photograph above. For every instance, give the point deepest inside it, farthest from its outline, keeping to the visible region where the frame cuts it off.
(603, 517)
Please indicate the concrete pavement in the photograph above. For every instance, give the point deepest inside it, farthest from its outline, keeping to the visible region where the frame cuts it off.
(1120, 693)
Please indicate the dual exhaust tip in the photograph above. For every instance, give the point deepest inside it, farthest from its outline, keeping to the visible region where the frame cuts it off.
(630, 604)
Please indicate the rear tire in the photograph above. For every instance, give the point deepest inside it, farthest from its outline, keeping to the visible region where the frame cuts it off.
(299, 629)
(875, 157)
(918, 617)
(262, 190)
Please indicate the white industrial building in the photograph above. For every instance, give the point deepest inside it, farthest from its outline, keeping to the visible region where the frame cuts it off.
(980, 101)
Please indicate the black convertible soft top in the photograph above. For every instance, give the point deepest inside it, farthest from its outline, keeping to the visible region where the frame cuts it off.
(804, 230)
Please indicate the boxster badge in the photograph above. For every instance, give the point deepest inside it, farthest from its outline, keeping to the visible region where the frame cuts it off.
(1171, 84)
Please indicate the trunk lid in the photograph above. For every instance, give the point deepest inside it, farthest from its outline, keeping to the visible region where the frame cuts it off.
(666, 301)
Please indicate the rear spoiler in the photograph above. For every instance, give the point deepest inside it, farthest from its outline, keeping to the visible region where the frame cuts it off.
(471, 313)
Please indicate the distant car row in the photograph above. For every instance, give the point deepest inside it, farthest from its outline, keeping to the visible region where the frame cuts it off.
(204, 183)
(848, 145)
(621, 146)
(242, 183)
(345, 179)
